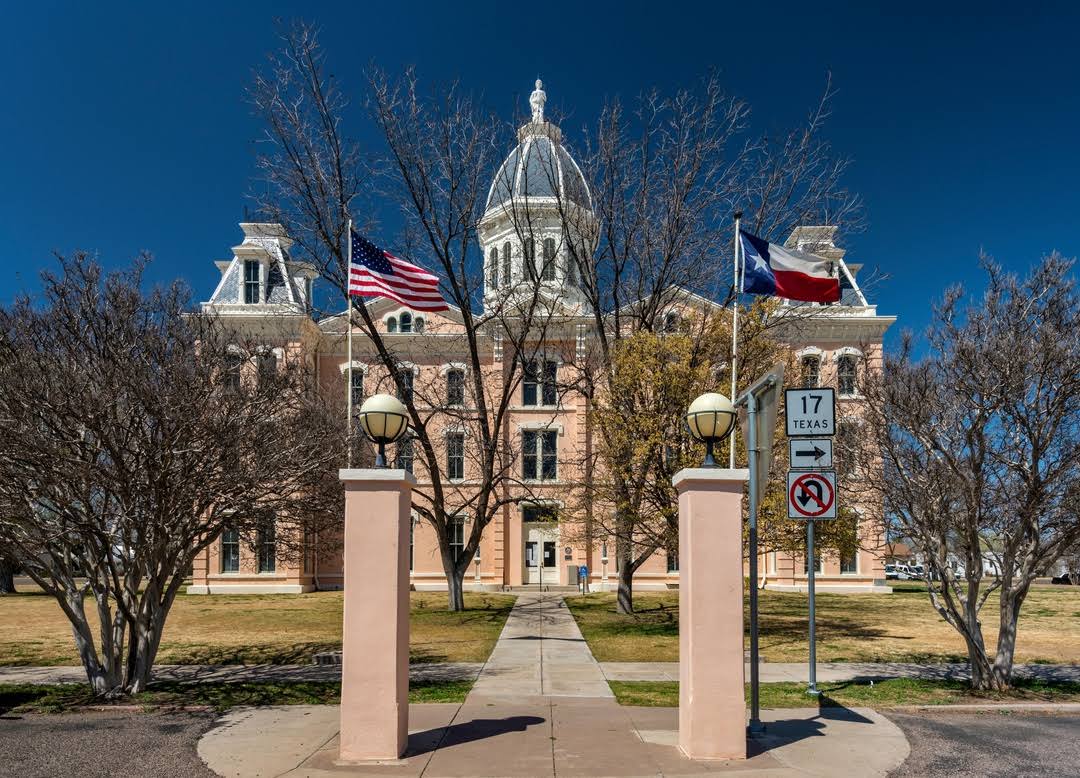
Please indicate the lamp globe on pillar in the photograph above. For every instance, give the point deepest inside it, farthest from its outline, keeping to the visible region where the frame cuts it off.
(384, 419)
(710, 418)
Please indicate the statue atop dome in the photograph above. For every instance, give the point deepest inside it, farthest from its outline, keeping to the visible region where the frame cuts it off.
(537, 100)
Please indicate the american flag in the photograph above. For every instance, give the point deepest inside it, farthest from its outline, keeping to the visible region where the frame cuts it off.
(374, 272)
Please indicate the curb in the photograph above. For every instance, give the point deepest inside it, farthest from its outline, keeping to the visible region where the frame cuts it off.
(1022, 707)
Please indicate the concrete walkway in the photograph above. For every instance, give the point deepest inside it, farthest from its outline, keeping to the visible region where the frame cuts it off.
(541, 707)
(541, 653)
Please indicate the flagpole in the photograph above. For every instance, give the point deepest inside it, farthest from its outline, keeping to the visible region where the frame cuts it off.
(348, 323)
(735, 335)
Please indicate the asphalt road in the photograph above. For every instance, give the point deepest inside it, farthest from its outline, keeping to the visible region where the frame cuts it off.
(958, 745)
(93, 745)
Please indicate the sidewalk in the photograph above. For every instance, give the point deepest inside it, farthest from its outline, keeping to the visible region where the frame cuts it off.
(541, 707)
(531, 665)
(541, 652)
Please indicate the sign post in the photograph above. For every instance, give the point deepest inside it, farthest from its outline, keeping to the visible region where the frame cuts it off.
(761, 400)
(811, 484)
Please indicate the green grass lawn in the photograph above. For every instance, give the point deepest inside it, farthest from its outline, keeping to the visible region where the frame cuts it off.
(255, 629)
(883, 694)
(57, 698)
(897, 627)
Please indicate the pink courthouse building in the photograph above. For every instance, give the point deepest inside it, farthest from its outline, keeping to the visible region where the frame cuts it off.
(267, 295)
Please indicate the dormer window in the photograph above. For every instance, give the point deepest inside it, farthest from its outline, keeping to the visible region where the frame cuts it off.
(251, 282)
(406, 322)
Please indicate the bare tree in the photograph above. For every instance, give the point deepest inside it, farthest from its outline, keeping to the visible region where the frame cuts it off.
(131, 434)
(665, 182)
(980, 442)
(438, 157)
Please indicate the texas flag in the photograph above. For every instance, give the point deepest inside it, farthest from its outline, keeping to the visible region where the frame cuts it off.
(774, 270)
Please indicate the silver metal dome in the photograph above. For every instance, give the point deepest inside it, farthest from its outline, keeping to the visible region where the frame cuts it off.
(539, 166)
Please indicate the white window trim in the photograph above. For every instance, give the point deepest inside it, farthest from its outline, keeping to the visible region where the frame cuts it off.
(361, 366)
(846, 351)
(809, 351)
(447, 367)
(535, 426)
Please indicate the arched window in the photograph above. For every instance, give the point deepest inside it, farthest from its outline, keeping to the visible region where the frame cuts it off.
(847, 374)
(418, 325)
(391, 324)
(406, 322)
(811, 371)
(548, 271)
(529, 245)
(671, 321)
(506, 264)
(493, 269)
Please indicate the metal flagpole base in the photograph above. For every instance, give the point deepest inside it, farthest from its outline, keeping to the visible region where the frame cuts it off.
(755, 727)
(813, 691)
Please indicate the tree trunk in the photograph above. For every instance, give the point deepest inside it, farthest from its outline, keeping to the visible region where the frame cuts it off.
(455, 588)
(625, 596)
(1001, 672)
(7, 576)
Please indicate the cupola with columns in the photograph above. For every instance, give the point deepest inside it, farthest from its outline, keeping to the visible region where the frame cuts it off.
(538, 217)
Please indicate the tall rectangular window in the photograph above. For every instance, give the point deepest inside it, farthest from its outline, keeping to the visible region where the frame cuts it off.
(538, 383)
(356, 388)
(811, 372)
(672, 561)
(539, 455)
(412, 540)
(455, 387)
(849, 563)
(817, 564)
(230, 551)
(233, 363)
(548, 271)
(404, 459)
(251, 281)
(266, 546)
(846, 374)
(455, 455)
(457, 536)
(506, 264)
(267, 367)
(404, 380)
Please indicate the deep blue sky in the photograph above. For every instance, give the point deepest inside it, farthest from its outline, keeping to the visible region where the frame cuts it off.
(125, 128)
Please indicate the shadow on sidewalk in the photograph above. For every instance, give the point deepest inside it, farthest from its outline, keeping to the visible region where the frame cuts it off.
(467, 732)
(786, 731)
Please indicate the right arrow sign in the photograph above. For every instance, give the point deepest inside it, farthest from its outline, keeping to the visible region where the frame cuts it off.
(810, 453)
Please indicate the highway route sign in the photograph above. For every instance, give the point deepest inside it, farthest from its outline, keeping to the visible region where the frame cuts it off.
(811, 495)
(810, 453)
(810, 412)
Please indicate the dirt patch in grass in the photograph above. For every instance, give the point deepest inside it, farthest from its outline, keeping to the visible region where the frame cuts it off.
(882, 694)
(259, 629)
(61, 698)
(897, 627)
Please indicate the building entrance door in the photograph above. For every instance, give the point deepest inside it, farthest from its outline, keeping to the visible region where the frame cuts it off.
(541, 564)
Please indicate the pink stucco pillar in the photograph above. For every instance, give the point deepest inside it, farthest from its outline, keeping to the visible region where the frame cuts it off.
(375, 642)
(712, 710)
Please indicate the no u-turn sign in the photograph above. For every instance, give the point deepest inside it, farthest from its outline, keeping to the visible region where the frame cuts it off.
(811, 495)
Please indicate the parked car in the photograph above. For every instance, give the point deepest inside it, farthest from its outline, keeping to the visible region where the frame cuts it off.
(890, 572)
(1062, 579)
(916, 572)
